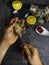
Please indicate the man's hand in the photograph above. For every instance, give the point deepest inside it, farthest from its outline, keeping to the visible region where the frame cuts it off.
(9, 36)
(32, 55)
(9, 39)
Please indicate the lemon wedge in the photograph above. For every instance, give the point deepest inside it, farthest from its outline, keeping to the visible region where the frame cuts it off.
(31, 20)
(17, 5)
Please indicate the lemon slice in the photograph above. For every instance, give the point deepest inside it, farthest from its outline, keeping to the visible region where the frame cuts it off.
(17, 5)
(31, 20)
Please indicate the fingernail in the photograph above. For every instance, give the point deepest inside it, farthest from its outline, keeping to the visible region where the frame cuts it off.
(25, 47)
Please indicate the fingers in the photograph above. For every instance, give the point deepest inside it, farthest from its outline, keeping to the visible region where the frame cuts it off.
(23, 21)
(31, 48)
(12, 26)
(27, 52)
(32, 55)
(14, 20)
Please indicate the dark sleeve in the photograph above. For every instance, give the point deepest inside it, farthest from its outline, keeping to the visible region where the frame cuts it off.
(13, 55)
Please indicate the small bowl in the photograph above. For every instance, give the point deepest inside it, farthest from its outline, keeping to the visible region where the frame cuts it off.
(42, 31)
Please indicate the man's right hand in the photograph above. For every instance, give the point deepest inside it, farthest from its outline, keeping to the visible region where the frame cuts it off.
(32, 55)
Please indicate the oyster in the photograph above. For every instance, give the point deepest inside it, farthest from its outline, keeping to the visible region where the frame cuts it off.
(46, 15)
(35, 10)
(19, 27)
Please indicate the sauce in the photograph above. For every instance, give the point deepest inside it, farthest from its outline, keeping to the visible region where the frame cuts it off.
(40, 30)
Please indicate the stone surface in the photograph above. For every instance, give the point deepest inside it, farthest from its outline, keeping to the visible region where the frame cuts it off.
(41, 42)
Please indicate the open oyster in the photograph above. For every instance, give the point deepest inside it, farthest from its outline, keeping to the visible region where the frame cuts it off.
(46, 15)
(19, 27)
(47, 10)
(35, 10)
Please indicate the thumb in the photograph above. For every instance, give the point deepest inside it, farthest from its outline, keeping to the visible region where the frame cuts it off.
(13, 21)
(12, 25)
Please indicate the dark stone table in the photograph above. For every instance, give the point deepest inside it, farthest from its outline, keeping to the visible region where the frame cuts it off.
(41, 42)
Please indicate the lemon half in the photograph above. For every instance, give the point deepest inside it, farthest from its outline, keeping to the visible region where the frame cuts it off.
(31, 20)
(17, 5)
